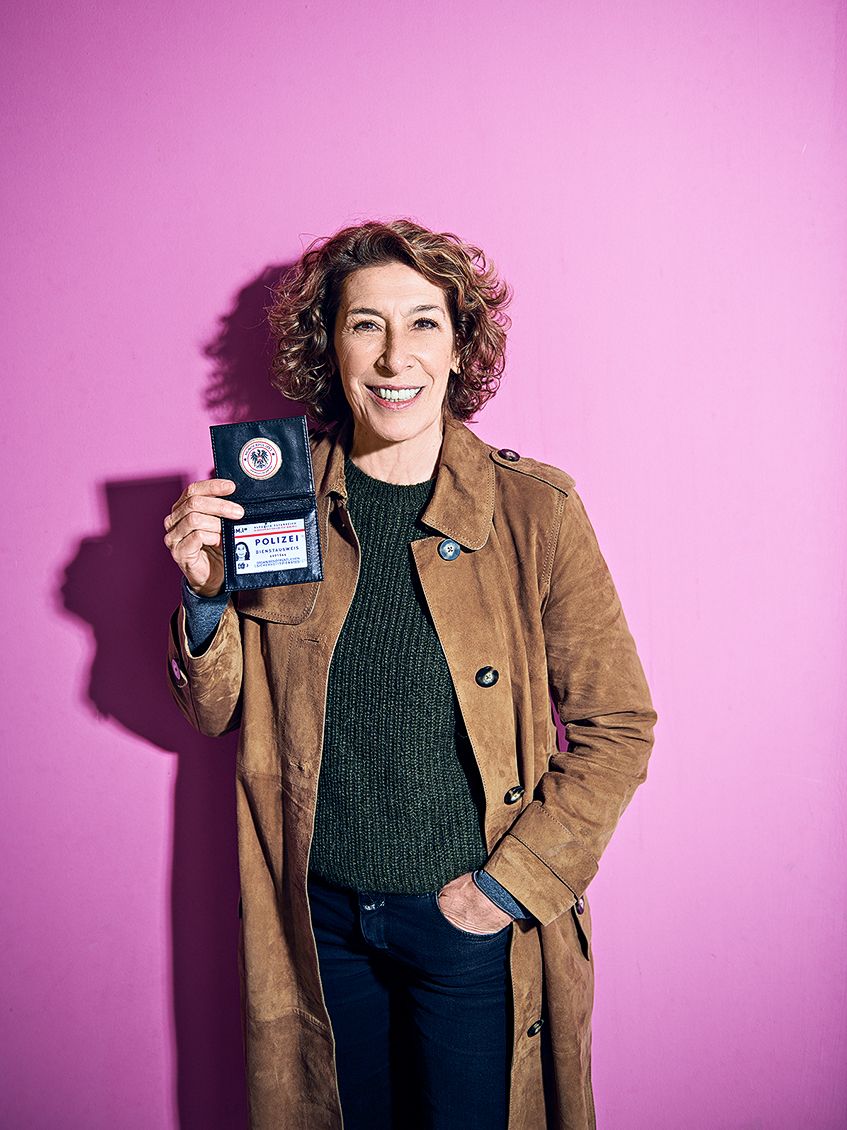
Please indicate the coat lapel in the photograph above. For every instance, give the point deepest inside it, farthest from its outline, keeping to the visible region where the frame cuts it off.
(462, 503)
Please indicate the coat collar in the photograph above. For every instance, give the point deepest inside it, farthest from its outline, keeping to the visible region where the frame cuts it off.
(462, 503)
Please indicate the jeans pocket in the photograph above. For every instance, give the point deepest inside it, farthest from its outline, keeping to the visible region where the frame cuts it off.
(433, 898)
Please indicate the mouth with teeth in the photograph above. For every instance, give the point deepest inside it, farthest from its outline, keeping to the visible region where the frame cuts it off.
(394, 398)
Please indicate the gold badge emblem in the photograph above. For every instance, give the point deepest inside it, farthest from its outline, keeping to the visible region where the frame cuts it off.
(260, 458)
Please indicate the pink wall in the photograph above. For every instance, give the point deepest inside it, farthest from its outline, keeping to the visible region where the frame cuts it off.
(663, 185)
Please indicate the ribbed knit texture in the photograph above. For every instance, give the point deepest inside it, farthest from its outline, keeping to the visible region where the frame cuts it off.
(399, 803)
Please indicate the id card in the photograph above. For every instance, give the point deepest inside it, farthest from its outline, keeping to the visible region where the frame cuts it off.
(277, 540)
(261, 546)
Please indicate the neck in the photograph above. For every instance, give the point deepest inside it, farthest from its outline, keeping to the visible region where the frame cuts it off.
(402, 462)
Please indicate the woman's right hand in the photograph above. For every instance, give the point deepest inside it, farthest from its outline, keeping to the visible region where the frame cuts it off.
(194, 532)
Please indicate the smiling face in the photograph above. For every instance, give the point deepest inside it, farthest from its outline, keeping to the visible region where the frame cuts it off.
(394, 345)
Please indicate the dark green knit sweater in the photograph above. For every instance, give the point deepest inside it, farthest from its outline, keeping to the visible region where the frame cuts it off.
(399, 798)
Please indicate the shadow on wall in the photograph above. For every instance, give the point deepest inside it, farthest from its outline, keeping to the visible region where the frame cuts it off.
(129, 618)
(240, 354)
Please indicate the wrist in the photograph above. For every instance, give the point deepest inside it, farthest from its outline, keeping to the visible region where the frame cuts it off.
(203, 592)
(498, 894)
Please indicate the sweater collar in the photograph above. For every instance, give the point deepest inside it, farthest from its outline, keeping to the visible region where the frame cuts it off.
(462, 502)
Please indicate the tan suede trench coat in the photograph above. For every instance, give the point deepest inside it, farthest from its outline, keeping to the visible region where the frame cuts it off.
(530, 595)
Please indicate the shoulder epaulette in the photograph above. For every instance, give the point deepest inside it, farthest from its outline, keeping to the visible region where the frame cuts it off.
(545, 472)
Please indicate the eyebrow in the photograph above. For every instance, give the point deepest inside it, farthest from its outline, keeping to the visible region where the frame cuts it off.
(414, 310)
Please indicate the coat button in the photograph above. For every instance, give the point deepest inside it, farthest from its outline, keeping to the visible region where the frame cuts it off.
(507, 453)
(448, 549)
(534, 1028)
(178, 675)
(580, 905)
(487, 676)
(514, 794)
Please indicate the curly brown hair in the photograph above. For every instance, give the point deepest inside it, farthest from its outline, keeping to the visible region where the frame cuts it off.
(305, 302)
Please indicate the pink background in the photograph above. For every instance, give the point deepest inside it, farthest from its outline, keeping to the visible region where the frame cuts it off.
(664, 187)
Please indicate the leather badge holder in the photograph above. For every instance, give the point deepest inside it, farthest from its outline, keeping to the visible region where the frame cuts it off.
(277, 540)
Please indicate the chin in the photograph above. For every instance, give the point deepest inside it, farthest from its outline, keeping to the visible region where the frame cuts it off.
(402, 429)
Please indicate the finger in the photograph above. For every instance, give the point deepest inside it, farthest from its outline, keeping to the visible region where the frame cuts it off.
(203, 504)
(211, 486)
(189, 548)
(216, 487)
(174, 538)
(191, 522)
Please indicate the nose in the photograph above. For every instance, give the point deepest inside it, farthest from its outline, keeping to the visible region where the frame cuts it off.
(395, 357)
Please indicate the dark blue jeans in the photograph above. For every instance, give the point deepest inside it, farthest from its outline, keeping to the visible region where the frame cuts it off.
(420, 1011)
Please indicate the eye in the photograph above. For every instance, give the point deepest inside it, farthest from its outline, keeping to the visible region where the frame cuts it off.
(364, 322)
(428, 323)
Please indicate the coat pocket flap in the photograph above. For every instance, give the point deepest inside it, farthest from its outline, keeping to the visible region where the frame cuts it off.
(284, 604)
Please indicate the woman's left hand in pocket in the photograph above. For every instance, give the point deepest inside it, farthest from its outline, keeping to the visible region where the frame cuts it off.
(466, 906)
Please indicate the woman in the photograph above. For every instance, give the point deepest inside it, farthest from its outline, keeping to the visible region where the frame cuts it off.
(414, 848)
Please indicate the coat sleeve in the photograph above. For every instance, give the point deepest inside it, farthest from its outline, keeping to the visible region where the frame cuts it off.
(207, 687)
(551, 851)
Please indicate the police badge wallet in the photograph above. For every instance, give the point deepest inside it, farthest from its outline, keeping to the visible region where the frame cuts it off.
(277, 540)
